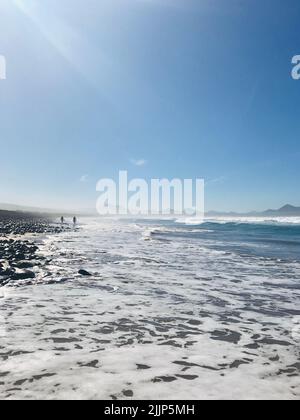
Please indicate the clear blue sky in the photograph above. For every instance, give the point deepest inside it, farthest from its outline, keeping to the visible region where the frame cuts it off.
(162, 88)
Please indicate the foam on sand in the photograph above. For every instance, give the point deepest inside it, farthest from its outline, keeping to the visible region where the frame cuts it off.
(156, 320)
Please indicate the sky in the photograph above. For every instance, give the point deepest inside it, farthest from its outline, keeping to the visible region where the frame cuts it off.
(161, 88)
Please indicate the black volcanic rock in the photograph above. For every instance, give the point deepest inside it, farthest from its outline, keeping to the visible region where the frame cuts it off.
(24, 264)
(23, 275)
(19, 257)
(84, 273)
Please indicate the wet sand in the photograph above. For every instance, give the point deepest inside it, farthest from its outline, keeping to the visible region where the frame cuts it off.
(153, 320)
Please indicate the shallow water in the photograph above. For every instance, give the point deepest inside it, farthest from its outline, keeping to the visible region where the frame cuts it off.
(170, 311)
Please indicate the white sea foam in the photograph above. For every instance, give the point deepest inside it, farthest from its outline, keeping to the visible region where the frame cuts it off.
(239, 220)
(255, 220)
(190, 221)
(156, 320)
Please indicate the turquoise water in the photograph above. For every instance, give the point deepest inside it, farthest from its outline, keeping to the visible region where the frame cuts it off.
(265, 240)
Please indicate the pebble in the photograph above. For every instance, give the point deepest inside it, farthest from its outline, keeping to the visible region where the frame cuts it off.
(84, 273)
(19, 257)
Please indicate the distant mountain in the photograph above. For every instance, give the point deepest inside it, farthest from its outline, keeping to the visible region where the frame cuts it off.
(39, 210)
(15, 207)
(285, 211)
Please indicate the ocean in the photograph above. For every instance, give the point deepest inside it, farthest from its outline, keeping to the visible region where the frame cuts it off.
(172, 310)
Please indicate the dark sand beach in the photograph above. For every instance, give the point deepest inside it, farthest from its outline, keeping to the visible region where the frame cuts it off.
(18, 254)
(168, 310)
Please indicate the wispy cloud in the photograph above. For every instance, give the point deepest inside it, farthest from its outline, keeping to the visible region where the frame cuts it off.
(139, 162)
(84, 178)
(219, 180)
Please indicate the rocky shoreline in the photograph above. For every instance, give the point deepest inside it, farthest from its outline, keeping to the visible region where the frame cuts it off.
(18, 256)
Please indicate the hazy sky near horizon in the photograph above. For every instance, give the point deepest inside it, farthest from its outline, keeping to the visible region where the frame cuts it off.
(162, 88)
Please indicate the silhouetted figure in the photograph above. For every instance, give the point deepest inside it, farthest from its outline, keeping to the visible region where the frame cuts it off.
(62, 220)
(74, 220)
